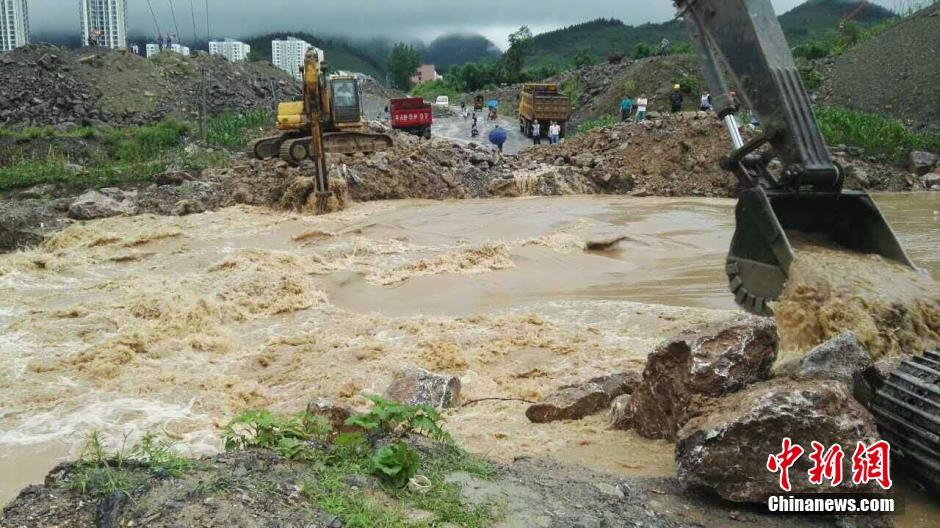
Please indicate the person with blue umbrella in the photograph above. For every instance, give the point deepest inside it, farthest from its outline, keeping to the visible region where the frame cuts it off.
(498, 137)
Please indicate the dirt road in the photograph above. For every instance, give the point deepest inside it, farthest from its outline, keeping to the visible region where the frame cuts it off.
(457, 128)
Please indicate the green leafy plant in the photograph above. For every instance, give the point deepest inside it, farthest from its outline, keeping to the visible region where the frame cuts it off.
(396, 417)
(605, 121)
(877, 135)
(267, 430)
(159, 456)
(396, 463)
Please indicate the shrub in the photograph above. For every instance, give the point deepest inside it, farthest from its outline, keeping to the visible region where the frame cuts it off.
(877, 135)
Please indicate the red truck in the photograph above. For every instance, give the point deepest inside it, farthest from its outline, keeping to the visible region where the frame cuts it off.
(412, 115)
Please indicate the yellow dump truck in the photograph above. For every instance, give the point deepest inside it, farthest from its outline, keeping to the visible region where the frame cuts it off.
(543, 103)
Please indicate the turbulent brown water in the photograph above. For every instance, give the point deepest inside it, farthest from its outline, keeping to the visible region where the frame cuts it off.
(175, 324)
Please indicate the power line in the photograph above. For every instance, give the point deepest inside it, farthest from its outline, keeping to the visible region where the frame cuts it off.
(154, 15)
(173, 12)
(192, 11)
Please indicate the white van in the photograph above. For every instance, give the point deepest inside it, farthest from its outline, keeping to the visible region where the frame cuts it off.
(442, 100)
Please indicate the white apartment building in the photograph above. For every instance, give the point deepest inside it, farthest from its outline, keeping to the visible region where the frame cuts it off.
(231, 49)
(154, 49)
(288, 55)
(104, 23)
(14, 24)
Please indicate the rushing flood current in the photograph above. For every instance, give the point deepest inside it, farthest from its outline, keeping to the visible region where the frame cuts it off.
(175, 324)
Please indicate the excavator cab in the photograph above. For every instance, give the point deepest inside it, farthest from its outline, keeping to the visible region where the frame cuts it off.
(344, 92)
(790, 186)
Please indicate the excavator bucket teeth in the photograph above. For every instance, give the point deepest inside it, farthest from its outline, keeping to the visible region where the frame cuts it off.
(761, 253)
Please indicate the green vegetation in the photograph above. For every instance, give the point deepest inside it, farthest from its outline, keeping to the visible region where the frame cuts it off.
(605, 121)
(402, 63)
(431, 89)
(877, 135)
(350, 454)
(101, 472)
(106, 156)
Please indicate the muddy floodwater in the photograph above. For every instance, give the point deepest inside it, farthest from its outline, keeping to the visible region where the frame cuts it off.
(173, 325)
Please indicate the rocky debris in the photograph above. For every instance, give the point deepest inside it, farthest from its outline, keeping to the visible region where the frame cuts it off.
(893, 73)
(573, 402)
(621, 413)
(335, 413)
(920, 163)
(932, 181)
(102, 204)
(44, 85)
(26, 222)
(417, 386)
(842, 358)
(675, 155)
(682, 374)
(726, 449)
(173, 177)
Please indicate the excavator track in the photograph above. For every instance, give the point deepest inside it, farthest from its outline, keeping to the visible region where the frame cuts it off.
(296, 150)
(268, 147)
(907, 409)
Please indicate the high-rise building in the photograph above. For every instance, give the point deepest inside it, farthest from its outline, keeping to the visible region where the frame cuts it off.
(14, 24)
(231, 49)
(153, 49)
(288, 55)
(104, 23)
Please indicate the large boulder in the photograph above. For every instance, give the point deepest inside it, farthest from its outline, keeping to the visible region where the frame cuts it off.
(573, 402)
(726, 449)
(682, 374)
(921, 163)
(417, 386)
(842, 358)
(94, 204)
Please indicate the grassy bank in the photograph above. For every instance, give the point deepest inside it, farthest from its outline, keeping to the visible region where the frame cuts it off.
(361, 476)
(105, 156)
(878, 136)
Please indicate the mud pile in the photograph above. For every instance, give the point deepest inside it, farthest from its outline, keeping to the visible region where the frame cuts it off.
(45, 85)
(892, 309)
(674, 155)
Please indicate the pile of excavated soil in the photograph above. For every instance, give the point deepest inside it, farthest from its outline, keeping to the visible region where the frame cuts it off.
(44, 85)
(895, 73)
(893, 309)
(675, 155)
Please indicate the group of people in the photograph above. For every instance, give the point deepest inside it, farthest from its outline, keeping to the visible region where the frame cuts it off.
(675, 103)
(553, 133)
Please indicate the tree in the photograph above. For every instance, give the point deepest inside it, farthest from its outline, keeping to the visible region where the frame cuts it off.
(642, 50)
(514, 58)
(584, 57)
(402, 63)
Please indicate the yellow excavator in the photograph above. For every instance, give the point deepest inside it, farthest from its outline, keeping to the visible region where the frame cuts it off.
(327, 120)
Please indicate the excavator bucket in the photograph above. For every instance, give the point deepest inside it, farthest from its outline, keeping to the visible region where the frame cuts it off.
(759, 261)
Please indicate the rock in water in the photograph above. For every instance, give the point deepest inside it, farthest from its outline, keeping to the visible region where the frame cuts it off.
(416, 386)
(573, 402)
(726, 450)
(94, 204)
(920, 162)
(569, 403)
(711, 362)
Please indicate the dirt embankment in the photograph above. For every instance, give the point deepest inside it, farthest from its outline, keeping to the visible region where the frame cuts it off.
(895, 73)
(45, 85)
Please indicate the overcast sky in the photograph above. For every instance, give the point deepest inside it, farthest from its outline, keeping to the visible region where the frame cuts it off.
(396, 19)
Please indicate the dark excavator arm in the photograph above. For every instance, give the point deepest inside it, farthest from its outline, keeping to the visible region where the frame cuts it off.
(741, 41)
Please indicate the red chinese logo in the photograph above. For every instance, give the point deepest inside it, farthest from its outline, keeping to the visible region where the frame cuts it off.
(783, 461)
(872, 463)
(827, 464)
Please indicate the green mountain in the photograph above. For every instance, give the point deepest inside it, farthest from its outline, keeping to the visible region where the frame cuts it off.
(449, 50)
(340, 55)
(809, 20)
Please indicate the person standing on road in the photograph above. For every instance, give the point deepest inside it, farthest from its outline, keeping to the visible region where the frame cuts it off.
(554, 130)
(641, 105)
(536, 133)
(498, 137)
(626, 108)
(705, 105)
(664, 47)
(676, 99)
